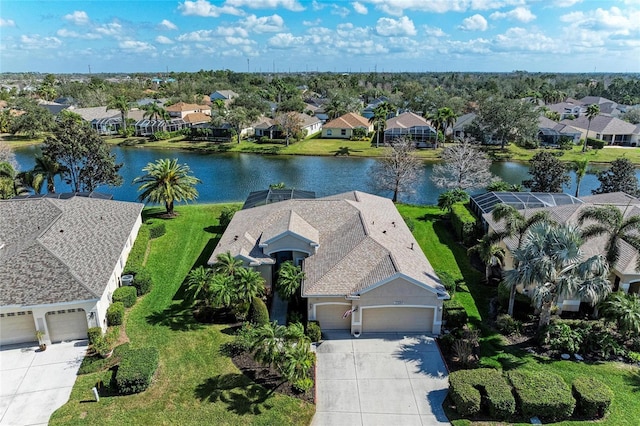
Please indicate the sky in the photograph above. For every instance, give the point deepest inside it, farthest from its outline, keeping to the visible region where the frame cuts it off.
(157, 36)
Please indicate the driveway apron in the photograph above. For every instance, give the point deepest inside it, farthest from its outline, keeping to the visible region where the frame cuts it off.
(380, 379)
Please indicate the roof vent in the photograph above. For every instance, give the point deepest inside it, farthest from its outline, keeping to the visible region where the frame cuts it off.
(394, 224)
(384, 232)
(411, 246)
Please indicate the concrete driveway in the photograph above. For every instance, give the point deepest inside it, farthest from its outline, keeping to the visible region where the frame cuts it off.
(380, 379)
(34, 384)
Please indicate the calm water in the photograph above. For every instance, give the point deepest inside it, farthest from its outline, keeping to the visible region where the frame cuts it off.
(230, 177)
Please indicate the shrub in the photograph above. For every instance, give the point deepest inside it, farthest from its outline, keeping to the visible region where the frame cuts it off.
(115, 313)
(303, 385)
(506, 324)
(592, 397)
(136, 370)
(469, 387)
(595, 143)
(136, 256)
(93, 334)
(542, 394)
(448, 281)
(157, 230)
(313, 331)
(142, 281)
(258, 313)
(563, 338)
(127, 295)
(226, 215)
(464, 224)
(411, 224)
(455, 314)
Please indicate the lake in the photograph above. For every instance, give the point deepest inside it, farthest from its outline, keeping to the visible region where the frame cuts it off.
(231, 176)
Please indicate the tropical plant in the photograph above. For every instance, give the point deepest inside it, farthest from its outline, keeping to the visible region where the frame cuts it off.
(226, 264)
(624, 310)
(290, 279)
(580, 167)
(379, 118)
(154, 111)
(223, 292)
(122, 104)
(551, 264)
(592, 112)
(31, 181)
(447, 199)
(49, 169)
(490, 253)
(10, 185)
(166, 182)
(199, 284)
(248, 284)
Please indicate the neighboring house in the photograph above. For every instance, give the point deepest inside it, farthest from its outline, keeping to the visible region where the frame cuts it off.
(412, 126)
(551, 133)
(343, 126)
(60, 261)
(568, 109)
(267, 127)
(368, 110)
(148, 127)
(364, 270)
(612, 130)
(54, 108)
(182, 109)
(624, 276)
(196, 118)
(225, 95)
(316, 107)
(459, 127)
(607, 106)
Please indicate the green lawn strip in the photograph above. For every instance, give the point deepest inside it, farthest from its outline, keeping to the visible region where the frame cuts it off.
(605, 155)
(195, 384)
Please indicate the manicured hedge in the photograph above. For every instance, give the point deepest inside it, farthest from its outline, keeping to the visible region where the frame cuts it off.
(136, 370)
(464, 224)
(136, 256)
(157, 230)
(468, 388)
(448, 281)
(142, 281)
(258, 313)
(596, 143)
(593, 397)
(454, 313)
(93, 334)
(314, 332)
(226, 215)
(115, 313)
(542, 394)
(127, 295)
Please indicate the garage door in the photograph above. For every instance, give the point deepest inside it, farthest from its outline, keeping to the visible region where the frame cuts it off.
(17, 327)
(67, 325)
(384, 320)
(330, 317)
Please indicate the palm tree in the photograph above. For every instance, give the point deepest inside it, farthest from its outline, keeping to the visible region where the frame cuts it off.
(154, 111)
(380, 113)
(624, 310)
(551, 264)
(121, 103)
(580, 167)
(290, 278)
(447, 199)
(10, 185)
(447, 118)
(199, 284)
(227, 265)
(592, 111)
(166, 181)
(610, 221)
(515, 225)
(490, 253)
(49, 169)
(31, 180)
(223, 292)
(249, 284)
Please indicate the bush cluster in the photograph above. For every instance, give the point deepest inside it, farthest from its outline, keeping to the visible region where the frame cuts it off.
(127, 295)
(542, 394)
(115, 313)
(447, 281)
(593, 397)
(136, 370)
(142, 281)
(258, 313)
(313, 331)
(157, 230)
(506, 324)
(455, 314)
(468, 388)
(595, 143)
(93, 334)
(593, 337)
(464, 224)
(226, 215)
(136, 256)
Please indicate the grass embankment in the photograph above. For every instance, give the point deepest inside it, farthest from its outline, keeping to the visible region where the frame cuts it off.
(445, 254)
(195, 383)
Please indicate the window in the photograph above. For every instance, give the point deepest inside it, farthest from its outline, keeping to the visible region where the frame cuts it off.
(343, 132)
(329, 132)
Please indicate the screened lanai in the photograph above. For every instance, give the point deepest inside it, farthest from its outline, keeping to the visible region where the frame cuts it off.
(484, 203)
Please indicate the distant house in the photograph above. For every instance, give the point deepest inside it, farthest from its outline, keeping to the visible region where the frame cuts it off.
(612, 130)
(267, 127)
(607, 106)
(568, 109)
(368, 112)
(459, 127)
(54, 108)
(104, 121)
(412, 126)
(148, 127)
(182, 109)
(343, 126)
(225, 95)
(552, 133)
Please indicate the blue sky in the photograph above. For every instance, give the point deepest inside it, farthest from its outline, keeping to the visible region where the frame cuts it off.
(299, 35)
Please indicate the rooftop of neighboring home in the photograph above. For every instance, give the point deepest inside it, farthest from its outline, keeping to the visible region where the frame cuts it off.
(224, 94)
(348, 121)
(98, 112)
(183, 106)
(602, 124)
(607, 106)
(77, 241)
(197, 117)
(405, 121)
(545, 123)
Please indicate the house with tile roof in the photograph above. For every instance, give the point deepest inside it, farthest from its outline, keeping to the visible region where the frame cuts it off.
(552, 133)
(268, 128)
(343, 126)
(624, 275)
(183, 109)
(61, 258)
(364, 270)
(224, 95)
(410, 125)
(612, 130)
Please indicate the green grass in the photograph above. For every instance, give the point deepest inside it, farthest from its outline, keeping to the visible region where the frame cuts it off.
(17, 141)
(195, 383)
(605, 155)
(445, 254)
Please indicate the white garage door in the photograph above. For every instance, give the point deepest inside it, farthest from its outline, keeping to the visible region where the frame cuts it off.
(67, 325)
(17, 327)
(330, 317)
(401, 319)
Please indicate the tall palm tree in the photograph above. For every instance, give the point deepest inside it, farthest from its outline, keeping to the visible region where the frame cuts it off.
(490, 253)
(166, 182)
(551, 264)
(516, 225)
(610, 221)
(226, 264)
(154, 111)
(580, 167)
(290, 279)
(592, 111)
(122, 104)
(49, 169)
(379, 118)
(31, 180)
(447, 118)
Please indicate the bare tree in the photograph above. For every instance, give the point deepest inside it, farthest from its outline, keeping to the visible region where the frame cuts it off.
(398, 169)
(290, 123)
(465, 167)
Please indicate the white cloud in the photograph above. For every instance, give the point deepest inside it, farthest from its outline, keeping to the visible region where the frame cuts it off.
(7, 22)
(360, 8)
(433, 31)
(167, 25)
(264, 24)
(395, 27)
(313, 23)
(206, 9)
(112, 29)
(232, 31)
(317, 6)
(564, 3)
(474, 23)
(163, 40)
(65, 33)
(136, 46)
(397, 7)
(339, 10)
(285, 41)
(200, 35)
(292, 5)
(521, 14)
(610, 22)
(78, 17)
(521, 40)
(35, 41)
(494, 4)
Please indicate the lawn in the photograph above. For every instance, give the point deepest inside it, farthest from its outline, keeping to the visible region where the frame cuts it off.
(195, 383)
(445, 254)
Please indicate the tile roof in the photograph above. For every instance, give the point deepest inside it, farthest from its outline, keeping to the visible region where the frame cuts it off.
(545, 123)
(602, 124)
(183, 106)
(197, 117)
(405, 121)
(362, 240)
(348, 121)
(99, 112)
(61, 250)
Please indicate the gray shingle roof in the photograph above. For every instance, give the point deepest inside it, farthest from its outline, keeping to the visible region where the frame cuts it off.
(61, 250)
